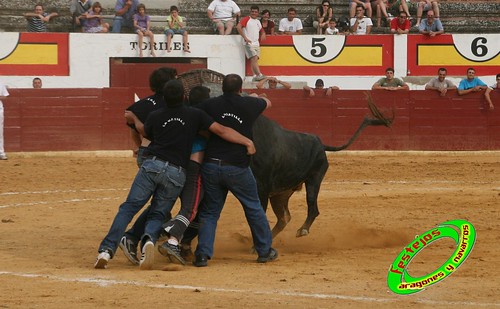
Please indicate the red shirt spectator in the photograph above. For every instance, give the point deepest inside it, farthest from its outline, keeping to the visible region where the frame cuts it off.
(400, 25)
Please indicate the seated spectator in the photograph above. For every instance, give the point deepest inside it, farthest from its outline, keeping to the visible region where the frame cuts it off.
(471, 83)
(381, 9)
(324, 13)
(431, 26)
(354, 4)
(223, 14)
(319, 85)
(92, 21)
(426, 5)
(142, 25)
(389, 82)
(440, 83)
(332, 28)
(175, 25)
(496, 87)
(290, 25)
(77, 9)
(402, 5)
(360, 24)
(271, 82)
(267, 24)
(37, 20)
(37, 83)
(400, 25)
(124, 12)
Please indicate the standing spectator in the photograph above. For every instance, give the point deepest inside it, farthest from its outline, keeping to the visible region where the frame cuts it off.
(226, 168)
(77, 9)
(426, 5)
(38, 19)
(319, 85)
(389, 82)
(431, 26)
(324, 13)
(3, 95)
(267, 24)
(162, 175)
(471, 83)
(400, 25)
(271, 82)
(496, 87)
(251, 31)
(360, 24)
(332, 28)
(354, 4)
(124, 11)
(223, 14)
(440, 83)
(290, 25)
(142, 25)
(93, 22)
(37, 83)
(175, 25)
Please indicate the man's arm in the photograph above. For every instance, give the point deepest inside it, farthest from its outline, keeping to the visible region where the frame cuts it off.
(232, 136)
(377, 86)
(284, 84)
(488, 98)
(261, 84)
(132, 119)
(308, 91)
(121, 11)
(48, 17)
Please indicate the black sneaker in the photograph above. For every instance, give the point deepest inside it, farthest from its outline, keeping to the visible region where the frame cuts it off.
(271, 256)
(173, 252)
(201, 260)
(129, 248)
(186, 253)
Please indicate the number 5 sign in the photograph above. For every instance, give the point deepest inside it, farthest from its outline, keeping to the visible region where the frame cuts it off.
(319, 49)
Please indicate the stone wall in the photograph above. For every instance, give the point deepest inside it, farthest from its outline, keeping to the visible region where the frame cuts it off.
(457, 16)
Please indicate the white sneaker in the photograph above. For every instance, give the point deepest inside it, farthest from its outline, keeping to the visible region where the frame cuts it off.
(258, 78)
(102, 260)
(148, 255)
(3, 156)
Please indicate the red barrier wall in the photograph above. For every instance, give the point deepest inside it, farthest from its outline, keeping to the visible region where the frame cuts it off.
(92, 119)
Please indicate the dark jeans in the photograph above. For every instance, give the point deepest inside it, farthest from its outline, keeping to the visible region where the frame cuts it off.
(155, 178)
(191, 195)
(217, 181)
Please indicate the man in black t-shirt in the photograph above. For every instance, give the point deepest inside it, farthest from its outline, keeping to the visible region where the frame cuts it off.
(142, 108)
(162, 175)
(226, 168)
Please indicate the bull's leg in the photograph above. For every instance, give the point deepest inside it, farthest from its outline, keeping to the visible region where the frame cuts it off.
(313, 185)
(279, 202)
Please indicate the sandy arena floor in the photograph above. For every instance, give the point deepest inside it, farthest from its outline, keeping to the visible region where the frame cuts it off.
(54, 211)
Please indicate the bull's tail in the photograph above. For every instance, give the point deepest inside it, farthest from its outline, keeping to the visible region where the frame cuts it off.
(380, 120)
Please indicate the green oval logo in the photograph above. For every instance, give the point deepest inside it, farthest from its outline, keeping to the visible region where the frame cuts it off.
(464, 235)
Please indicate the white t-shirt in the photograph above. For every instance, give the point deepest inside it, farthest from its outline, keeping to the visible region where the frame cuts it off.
(362, 25)
(290, 26)
(223, 10)
(332, 31)
(251, 28)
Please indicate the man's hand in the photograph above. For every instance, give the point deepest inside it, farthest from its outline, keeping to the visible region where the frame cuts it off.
(251, 148)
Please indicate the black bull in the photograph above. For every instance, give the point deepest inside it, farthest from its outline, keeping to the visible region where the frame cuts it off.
(285, 160)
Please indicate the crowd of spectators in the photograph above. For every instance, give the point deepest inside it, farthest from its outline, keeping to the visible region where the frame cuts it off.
(224, 15)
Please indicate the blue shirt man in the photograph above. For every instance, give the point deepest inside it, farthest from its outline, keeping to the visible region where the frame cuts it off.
(471, 83)
(124, 10)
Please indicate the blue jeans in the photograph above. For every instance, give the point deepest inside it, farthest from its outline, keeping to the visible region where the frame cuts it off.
(119, 22)
(217, 181)
(155, 178)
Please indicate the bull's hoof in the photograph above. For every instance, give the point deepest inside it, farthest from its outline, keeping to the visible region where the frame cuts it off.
(302, 232)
